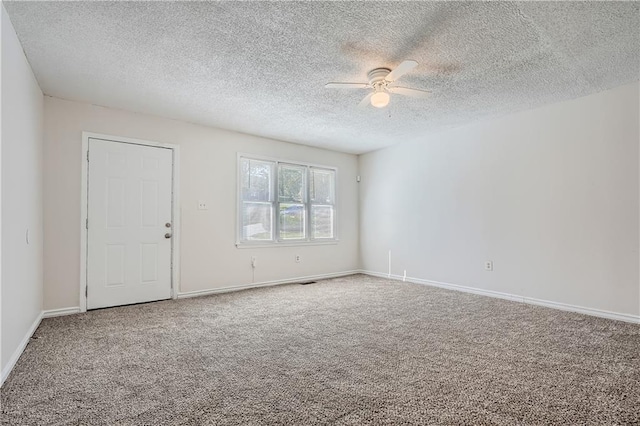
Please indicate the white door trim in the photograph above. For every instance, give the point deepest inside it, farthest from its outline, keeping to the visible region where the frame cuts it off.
(175, 210)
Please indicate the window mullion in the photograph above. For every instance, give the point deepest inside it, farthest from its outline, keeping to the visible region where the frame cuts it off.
(276, 203)
(307, 206)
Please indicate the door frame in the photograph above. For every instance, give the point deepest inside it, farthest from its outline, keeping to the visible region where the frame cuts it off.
(175, 209)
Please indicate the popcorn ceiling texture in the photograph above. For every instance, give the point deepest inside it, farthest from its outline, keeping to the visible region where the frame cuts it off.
(260, 68)
(356, 350)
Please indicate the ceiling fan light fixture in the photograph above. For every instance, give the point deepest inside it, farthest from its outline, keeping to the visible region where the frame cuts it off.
(381, 85)
(380, 99)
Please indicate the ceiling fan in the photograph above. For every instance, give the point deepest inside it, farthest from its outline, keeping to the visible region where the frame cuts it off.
(382, 80)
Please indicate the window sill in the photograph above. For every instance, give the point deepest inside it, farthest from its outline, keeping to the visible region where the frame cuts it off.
(286, 244)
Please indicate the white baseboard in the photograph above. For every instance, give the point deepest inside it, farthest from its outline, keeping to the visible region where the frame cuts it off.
(582, 310)
(60, 312)
(18, 352)
(187, 294)
(448, 286)
(513, 297)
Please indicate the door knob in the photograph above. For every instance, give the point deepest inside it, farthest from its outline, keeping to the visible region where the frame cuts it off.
(167, 235)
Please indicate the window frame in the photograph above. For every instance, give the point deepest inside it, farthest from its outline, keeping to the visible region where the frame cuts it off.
(275, 204)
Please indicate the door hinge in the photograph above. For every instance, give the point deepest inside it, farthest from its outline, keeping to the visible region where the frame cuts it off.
(86, 223)
(86, 291)
(87, 156)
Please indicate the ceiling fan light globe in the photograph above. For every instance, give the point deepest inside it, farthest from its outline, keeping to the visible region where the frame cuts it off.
(380, 99)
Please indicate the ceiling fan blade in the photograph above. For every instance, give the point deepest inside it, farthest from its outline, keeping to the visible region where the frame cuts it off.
(346, 85)
(401, 70)
(414, 93)
(366, 101)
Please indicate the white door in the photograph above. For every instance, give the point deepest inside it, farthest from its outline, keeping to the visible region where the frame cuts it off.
(129, 225)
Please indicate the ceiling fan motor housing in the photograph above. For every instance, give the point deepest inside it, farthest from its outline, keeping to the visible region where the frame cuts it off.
(377, 78)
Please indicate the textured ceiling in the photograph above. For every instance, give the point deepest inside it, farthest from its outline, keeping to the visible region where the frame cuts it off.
(260, 68)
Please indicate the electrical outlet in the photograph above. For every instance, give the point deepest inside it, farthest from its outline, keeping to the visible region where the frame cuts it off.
(202, 205)
(297, 258)
(488, 265)
(254, 262)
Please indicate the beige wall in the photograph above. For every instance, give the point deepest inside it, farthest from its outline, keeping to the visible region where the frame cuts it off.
(21, 198)
(209, 257)
(549, 195)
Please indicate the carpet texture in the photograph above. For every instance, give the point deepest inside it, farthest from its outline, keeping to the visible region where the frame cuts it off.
(347, 351)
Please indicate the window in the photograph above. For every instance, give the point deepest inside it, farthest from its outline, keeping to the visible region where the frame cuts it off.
(322, 204)
(284, 202)
(257, 200)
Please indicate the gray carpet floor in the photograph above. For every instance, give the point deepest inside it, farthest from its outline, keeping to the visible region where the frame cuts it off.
(347, 351)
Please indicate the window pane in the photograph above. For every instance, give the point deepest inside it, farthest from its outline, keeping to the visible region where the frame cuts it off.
(322, 186)
(256, 221)
(292, 218)
(291, 183)
(321, 221)
(256, 180)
